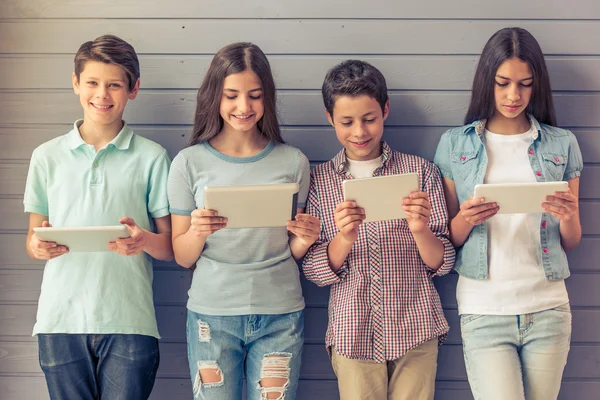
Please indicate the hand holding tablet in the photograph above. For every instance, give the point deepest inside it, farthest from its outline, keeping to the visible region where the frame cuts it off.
(252, 206)
(381, 196)
(83, 238)
(519, 198)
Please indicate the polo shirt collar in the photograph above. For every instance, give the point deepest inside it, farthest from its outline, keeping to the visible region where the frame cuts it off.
(121, 141)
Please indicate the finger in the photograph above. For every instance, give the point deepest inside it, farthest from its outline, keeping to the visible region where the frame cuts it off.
(44, 245)
(417, 210)
(418, 195)
(46, 224)
(304, 231)
(351, 219)
(344, 205)
(209, 220)
(350, 211)
(485, 215)
(472, 202)
(127, 221)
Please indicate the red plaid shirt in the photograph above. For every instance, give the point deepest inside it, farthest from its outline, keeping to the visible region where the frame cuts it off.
(382, 301)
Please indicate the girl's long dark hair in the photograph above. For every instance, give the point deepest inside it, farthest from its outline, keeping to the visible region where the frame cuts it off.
(505, 44)
(232, 59)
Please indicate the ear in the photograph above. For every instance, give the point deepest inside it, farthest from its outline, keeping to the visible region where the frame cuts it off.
(75, 83)
(329, 118)
(135, 90)
(386, 110)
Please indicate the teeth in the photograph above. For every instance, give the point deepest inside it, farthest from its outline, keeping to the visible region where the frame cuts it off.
(99, 106)
(242, 116)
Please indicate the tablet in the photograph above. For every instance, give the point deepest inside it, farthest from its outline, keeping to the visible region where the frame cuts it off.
(253, 206)
(83, 238)
(381, 196)
(519, 198)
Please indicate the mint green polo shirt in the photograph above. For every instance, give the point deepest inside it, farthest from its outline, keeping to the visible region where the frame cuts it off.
(75, 185)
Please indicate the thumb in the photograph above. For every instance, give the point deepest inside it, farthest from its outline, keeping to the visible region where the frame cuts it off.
(127, 221)
(46, 224)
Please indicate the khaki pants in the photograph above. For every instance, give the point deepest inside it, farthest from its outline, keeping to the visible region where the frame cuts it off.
(410, 377)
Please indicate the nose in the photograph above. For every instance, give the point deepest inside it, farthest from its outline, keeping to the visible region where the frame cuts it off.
(243, 104)
(102, 91)
(359, 130)
(514, 93)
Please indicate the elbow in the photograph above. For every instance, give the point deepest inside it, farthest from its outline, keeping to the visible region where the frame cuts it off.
(183, 263)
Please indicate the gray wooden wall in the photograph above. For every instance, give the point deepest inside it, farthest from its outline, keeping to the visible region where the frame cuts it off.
(427, 50)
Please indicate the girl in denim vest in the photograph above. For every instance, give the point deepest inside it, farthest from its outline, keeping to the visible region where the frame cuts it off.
(513, 304)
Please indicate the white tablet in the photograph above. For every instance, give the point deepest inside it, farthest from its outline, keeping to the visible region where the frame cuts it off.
(519, 198)
(83, 238)
(381, 196)
(253, 206)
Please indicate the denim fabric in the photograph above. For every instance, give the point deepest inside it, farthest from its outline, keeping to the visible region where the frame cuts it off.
(89, 367)
(554, 156)
(256, 346)
(516, 357)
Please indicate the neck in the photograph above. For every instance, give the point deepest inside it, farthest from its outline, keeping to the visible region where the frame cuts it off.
(99, 135)
(239, 144)
(508, 126)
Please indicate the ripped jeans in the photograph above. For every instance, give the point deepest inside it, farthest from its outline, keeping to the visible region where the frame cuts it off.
(266, 349)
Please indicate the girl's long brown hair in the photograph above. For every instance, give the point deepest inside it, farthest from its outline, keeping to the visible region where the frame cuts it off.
(232, 59)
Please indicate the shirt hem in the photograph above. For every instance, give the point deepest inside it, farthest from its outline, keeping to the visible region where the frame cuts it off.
(245, 310)
(97, 331)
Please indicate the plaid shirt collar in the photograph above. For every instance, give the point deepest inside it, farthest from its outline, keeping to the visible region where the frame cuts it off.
(340, 161)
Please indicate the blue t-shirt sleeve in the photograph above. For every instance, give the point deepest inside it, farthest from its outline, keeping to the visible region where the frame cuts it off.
(574, 159)
(442, 156)
(36, 195)
(158, 203)
(303, 179)
(181, 196)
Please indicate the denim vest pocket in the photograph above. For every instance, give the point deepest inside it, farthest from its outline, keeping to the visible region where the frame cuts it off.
(464, 163)
(555, 164)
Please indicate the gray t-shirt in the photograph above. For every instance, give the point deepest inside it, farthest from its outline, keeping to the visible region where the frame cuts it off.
(240, 271)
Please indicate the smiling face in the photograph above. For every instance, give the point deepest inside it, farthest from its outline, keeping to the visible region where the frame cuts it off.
(512, 89)
(103, 93)
(242, 101)
(358, 122)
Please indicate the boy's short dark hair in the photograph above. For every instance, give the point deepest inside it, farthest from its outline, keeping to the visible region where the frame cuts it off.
(109, 49)
(353, 78)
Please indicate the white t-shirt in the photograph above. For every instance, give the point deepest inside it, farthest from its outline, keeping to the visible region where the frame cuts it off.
(517, 283)
(363, 169)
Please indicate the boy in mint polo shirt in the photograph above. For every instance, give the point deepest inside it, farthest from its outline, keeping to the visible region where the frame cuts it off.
(95, 325)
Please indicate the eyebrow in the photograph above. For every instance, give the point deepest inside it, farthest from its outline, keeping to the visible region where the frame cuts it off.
(237, 91)
(508, 79)
(364, 115)
(98, 79)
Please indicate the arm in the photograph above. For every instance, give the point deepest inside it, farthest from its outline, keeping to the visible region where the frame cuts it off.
(157, 245)
(467, 215)
(190, 233)
(566, 209)
(38, 249)
(305, 231)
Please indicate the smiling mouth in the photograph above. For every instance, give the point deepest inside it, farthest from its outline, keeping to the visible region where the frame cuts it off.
(243, 117)
(361, 143)
(101, 107)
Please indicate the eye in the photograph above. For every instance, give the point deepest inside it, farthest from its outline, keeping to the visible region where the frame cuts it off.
(231, 97)
(527, 84)
(115, 85)
(346, 123)
(501, 84)
(370, 121)
(255, 97)
(91, 82)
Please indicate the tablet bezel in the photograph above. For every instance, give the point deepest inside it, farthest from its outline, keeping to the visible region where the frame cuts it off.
(254, 206)
(521, 197)
(83, 238)
(381, 201)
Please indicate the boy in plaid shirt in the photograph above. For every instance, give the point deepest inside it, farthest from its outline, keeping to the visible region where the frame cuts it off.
(385, 315)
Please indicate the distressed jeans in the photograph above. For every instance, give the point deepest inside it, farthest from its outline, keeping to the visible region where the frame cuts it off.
(516, 357)
(89, 367)
(267, 349)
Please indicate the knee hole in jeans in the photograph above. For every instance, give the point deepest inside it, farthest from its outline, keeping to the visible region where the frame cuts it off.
(275, 375)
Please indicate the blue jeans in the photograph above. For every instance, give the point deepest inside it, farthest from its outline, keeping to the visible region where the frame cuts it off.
(111, 367)
(266, 348)
(515, 357)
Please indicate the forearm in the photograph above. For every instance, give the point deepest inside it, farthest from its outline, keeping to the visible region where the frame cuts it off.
(188, 248)
(338, 251)
(460, 230)
(158, 245)
(27, 242)
(298, 248)
(430, 248)
(570, 233)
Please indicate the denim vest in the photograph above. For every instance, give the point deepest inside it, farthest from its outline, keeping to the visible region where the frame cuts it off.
(554, 155)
